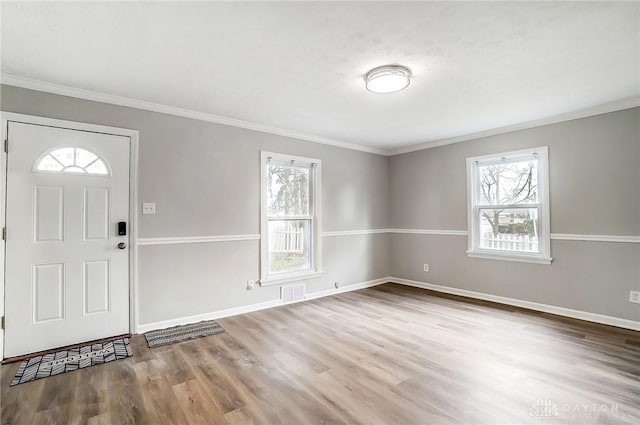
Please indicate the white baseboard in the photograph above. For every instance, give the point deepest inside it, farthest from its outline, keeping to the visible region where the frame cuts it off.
(560, 311)
(146, 327)
(234, 311)
(347, 288)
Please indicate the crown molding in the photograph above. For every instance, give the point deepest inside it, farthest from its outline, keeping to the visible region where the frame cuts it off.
(59, 89)
(43, 86)
(617, 105)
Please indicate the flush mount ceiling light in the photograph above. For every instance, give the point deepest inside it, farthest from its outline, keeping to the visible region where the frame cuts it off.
(387, 79)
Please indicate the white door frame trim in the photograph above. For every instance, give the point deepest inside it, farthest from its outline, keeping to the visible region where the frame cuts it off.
(133, 136)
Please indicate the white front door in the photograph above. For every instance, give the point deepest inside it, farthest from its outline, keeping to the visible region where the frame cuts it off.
(66, 278)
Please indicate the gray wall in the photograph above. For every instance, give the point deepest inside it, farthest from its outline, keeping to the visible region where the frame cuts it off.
(204, 178)
(595, 190)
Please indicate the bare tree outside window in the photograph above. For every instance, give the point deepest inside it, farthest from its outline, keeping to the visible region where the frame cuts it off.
(509, 184)
(288, 207)
(288, 191)
(508, 204)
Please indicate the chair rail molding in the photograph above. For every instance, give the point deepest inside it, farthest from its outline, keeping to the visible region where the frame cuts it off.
(173, 240)
(195, 239)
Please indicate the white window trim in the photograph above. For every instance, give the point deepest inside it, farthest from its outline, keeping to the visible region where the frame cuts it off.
(544, 234)
(315, 205)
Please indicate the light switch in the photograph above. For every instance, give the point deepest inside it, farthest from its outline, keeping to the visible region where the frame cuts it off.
(148, 208)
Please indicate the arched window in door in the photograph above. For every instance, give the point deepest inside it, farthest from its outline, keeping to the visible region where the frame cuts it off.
(70, 160)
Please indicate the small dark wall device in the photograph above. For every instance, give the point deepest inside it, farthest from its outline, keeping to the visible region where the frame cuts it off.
(122, 228)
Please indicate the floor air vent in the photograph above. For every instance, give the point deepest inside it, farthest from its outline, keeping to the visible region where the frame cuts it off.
(292, 293)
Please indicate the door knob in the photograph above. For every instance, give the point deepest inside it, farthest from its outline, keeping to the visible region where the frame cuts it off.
(122, 245)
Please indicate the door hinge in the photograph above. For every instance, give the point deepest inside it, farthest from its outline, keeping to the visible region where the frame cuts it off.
(6, 145)
(2, 322)
(4, 233)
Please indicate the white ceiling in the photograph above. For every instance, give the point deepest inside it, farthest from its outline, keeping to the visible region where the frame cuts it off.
(299, 66)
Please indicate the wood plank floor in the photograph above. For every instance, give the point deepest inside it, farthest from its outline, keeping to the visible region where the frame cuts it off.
(384, 355)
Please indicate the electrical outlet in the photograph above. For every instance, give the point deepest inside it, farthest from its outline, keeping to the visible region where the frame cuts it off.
(634, 297)
(426, 267)
(251, 284)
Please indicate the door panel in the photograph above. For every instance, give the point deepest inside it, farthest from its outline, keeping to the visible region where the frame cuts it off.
(96, 286)
(49, 213)
(48, 292)
(96, 213)
(66, 280)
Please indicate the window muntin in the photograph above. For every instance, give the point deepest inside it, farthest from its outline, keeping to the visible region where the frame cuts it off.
(508, 205)
(70, 160)
(290, 199)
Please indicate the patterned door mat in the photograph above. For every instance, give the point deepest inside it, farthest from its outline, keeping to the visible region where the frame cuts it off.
(71, 359)
(182, 333)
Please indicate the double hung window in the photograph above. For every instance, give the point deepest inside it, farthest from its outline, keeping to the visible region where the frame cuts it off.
(508, 202)
(290, 225)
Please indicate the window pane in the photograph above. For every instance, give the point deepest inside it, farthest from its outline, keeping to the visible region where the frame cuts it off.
(289, 245)
(72, 160)
(287, 191)
(49, 164)
(97, 167)
(74, 169)
(66, 156)
(509, 229)
(84, 157)
(508, 183)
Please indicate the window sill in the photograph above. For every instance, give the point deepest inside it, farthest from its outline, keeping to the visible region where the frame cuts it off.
(504, 256)
(290, 277)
